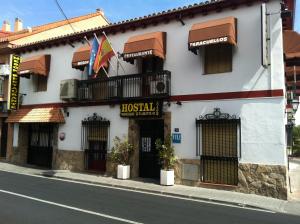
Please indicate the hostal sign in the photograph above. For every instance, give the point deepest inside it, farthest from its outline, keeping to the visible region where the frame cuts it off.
(14, 82)
(141, 109)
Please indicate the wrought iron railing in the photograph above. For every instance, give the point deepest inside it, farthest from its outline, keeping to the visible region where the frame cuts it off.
(218, 137)
(125, 87)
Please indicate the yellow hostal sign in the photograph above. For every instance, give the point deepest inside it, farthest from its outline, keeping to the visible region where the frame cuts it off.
(14, 82)
(141, 109)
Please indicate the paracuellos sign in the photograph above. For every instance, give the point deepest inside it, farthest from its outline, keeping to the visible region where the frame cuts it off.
(141, 109)
(14, 82)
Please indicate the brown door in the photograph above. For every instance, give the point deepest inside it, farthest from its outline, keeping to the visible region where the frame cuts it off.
(96, 156)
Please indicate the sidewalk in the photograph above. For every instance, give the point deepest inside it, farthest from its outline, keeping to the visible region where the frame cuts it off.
(226, 197)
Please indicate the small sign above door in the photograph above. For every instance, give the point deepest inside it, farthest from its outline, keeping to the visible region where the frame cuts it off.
(150, 108)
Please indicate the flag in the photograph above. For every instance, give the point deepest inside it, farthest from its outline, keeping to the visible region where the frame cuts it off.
(105, 52)
(94, 49)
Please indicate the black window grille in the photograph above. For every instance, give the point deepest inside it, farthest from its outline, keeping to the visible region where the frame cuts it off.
(94, 142)
(218, 137)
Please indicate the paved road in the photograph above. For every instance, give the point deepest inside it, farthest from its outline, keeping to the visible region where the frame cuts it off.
(27, 199)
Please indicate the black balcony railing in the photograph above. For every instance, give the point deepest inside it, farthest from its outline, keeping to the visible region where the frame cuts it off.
(126, 87)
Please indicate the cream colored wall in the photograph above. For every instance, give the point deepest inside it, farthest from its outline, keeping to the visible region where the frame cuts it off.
(86, 24)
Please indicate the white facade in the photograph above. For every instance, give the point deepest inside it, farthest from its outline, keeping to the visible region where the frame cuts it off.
(262, 119)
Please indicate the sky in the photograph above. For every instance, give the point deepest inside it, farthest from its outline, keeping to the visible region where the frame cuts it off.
(37, 12)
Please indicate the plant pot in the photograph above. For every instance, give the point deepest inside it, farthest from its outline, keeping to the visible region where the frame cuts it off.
(123, 172)
(167, 177)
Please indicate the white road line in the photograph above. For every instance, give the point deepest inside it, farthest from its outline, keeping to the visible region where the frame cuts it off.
(143, 192)
(71, 207)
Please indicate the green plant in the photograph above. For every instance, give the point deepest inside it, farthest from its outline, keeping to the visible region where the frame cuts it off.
(166, 152)
(296, 140)
(121, 151)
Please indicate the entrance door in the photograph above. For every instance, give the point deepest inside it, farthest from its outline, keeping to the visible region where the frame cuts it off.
(40, 145)
(3, 140)
(96, 156)
(149, 165)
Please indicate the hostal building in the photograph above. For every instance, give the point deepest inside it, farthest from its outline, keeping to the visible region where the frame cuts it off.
(210, 75)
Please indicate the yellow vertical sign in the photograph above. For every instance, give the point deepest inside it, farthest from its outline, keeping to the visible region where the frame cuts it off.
(14, 82)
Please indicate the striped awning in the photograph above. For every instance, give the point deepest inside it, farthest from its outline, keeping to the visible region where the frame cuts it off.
(37, 115)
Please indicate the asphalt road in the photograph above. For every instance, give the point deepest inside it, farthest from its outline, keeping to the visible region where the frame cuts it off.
(27, 199)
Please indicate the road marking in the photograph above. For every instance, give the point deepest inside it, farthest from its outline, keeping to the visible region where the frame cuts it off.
(240, 206)
(71, 207)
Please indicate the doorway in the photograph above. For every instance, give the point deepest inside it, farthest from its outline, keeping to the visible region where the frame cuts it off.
(40, 145)
(149, 164)
(3, 139)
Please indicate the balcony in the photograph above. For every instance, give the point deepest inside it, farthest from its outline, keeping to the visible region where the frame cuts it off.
(125, 87)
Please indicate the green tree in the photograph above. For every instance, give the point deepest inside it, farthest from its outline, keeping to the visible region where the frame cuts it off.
(296, 140)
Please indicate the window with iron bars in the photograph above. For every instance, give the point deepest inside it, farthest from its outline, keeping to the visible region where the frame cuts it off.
(94, 141)
(218, 137)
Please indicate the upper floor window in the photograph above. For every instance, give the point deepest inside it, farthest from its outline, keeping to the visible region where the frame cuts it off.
(149, 49)
(151, 65)
(37, 67)
(218, 58)
(216, 39)
(40, 83)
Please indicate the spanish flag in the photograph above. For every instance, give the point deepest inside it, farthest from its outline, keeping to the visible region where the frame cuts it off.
(105, 52)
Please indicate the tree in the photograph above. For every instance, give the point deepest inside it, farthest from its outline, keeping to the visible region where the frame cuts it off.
(296, 140)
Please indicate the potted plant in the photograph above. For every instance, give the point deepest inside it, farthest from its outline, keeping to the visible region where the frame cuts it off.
(120, 154)
(167, 157)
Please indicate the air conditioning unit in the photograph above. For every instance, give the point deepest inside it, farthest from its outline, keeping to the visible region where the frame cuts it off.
(68, 89)
(84, 93)
(4, 70)
(159, 86)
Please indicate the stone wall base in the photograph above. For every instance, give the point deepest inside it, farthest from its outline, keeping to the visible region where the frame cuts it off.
(69, 160)
(265, 180)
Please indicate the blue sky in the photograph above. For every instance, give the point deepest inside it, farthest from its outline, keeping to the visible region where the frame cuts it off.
(37, 12)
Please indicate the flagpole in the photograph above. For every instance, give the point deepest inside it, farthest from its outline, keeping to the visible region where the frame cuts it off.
(104, 71)
(113, 68)
(117, 55)
(85, 38)
(107, 60)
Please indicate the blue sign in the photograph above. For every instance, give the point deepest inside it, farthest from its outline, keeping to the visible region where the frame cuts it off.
(176, 137)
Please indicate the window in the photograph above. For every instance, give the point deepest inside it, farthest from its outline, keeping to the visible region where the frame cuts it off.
(218, 58)
(40, 83)
(218, 145)
(94, 142)
(152, 65)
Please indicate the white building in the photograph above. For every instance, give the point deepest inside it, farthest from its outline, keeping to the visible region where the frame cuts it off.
(201, 72)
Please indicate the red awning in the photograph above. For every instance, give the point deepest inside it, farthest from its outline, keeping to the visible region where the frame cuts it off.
(145, 45)
(213, 32)
(81, 57)
(291, 45)
(37, 65)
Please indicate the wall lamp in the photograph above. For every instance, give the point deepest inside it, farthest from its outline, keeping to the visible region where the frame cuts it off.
(295, 104)
(65, 109)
